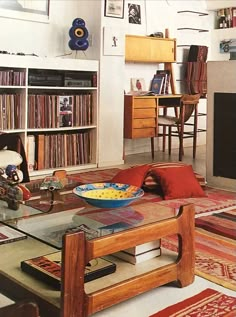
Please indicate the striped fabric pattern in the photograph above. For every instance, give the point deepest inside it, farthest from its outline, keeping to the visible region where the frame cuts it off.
(151, 182)
(223, 223)
(204, 304)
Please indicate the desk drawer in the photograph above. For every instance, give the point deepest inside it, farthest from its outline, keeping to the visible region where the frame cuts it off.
(144, 113)
(144, 103)
(144, 123)
(144, 133)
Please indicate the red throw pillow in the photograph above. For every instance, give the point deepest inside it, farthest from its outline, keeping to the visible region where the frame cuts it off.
(151, 183)
(178, 182)
(132, 176)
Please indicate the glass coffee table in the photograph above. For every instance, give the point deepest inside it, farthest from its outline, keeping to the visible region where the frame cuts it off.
(102, 232)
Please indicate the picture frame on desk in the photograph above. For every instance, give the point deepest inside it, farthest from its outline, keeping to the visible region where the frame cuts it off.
(137, 84)
(114, 8)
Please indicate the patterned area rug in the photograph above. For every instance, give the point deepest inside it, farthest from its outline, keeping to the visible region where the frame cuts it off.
(215, 253)
(205, 304)
(223, 223)
(216, 199)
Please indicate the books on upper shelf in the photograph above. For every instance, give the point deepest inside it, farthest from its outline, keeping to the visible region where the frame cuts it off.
(8, 234)
(48, 268)
(138, 258)
(53, 111)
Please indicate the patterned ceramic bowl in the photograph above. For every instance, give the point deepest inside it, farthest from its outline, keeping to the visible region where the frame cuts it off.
(108, 195)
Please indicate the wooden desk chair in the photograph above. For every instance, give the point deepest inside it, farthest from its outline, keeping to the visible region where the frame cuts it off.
(24, 309)
(188, 107)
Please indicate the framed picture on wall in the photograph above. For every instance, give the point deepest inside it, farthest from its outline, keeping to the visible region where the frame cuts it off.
(114, 8)
(30, 10)
(114, 41)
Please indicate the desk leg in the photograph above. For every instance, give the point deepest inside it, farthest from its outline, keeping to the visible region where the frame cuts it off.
(152, 147)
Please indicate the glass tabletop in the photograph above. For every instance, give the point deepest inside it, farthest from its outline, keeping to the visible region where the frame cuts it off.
(7, 214)
(95, 222)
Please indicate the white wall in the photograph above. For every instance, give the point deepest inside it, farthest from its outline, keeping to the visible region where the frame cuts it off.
(51, 39)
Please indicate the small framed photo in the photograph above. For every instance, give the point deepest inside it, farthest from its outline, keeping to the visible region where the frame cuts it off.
(114, 41)
(114, 8)
(138, 84)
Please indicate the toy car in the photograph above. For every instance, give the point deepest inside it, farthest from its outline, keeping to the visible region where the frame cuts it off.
(51, 183)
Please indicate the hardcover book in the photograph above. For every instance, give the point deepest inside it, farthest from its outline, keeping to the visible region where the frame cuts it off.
(145, 247)
(166, 74)
(157, 83)
(8, 234)
(138, 258)
(48, 268)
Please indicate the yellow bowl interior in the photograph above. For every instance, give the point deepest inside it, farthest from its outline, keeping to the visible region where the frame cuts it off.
(108, 193)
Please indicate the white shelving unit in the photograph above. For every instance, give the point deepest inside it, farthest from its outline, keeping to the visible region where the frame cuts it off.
(30, 91)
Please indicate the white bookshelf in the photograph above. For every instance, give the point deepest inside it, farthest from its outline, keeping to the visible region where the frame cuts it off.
(19, 113)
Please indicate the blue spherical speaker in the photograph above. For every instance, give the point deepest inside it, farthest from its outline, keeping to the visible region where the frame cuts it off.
(78, 35)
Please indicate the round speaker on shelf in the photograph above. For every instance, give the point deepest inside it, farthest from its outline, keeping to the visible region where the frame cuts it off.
(78, 35)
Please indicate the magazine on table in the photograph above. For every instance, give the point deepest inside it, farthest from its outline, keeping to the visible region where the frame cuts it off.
(48, 268)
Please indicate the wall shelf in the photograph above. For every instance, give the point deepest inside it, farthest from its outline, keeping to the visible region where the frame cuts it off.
(192, 29)
(194, 12)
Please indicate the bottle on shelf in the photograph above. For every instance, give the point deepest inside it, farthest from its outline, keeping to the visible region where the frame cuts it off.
(222, 19)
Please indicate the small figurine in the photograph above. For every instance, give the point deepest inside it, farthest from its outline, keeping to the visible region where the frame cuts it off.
(10, 189)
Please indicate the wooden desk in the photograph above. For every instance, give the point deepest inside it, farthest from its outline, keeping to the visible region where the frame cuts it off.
(141, 115)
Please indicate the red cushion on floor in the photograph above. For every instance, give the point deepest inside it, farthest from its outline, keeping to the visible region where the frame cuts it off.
(132, 176)
(178, 182)
(151, 181)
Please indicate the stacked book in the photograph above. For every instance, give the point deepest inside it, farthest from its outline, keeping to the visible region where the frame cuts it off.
(140, 253)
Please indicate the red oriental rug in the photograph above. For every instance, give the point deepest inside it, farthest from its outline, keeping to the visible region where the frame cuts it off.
(216, 199)
(215, 253)
(207, 303)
